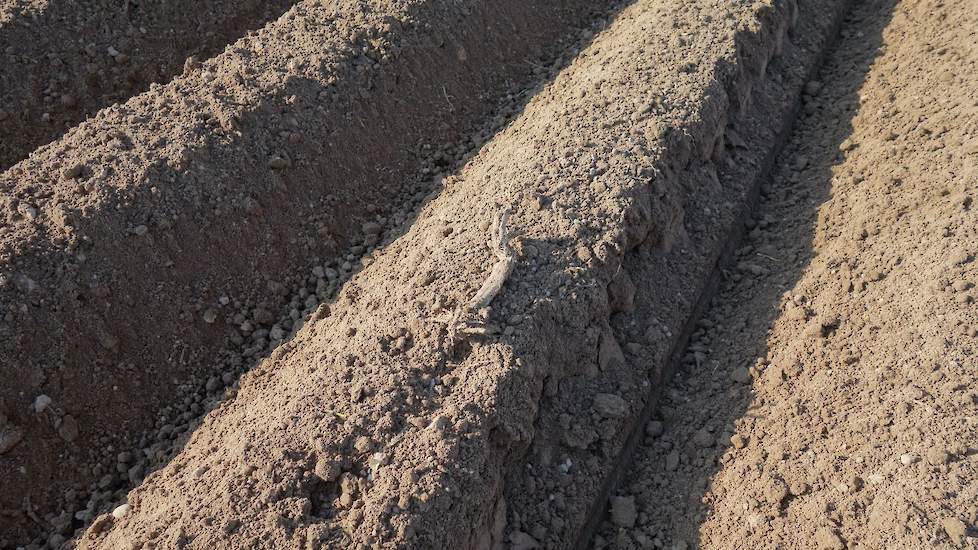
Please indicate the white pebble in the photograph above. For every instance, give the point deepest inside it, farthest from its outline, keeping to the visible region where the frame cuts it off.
(120, 511)
(41, 402)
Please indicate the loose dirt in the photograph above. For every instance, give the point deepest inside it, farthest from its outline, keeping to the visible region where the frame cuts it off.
(659, 294)
(394, 416)
(828, 397)
(61, 60)
(163, 246)
(419, 274)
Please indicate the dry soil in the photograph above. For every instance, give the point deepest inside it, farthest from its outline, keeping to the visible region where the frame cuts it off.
(828, 398)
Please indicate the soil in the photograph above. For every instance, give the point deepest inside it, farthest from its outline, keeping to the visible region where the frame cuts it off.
(61, 60)
(828, 397)
(669, 287)
(384, 422)
(109, 288)
(510, 275)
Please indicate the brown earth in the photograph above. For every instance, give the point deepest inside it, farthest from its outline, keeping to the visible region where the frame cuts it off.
(63, 60)
(457, 251)
(383, 423)
(828, 398)
(159, 248)
(573, 464)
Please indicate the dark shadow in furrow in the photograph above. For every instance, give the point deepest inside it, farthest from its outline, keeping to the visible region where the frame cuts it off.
(808, 194)
(62, 63)
(340, 177)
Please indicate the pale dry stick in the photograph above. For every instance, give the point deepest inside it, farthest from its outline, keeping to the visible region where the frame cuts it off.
(470, 318)
(505, 261)
(451, 108)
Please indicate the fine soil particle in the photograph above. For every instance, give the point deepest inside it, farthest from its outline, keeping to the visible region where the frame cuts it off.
(858, 332)
(416, 274)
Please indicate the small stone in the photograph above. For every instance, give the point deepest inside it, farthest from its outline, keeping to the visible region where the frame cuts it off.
(610, 405)
(937, 456)
(25, 284)
(875, 479)
(29, 211)
(540, 202)
(584, 254)
(231, 526)
(371, 228)
(101, 523)
(522, 541)
(140, 230)
(741, 375)
(654, 428)
(210, 316)
(955, 529)
(41, 402)
(798, 488)
(328, 470)
(376, 460)
(623, 512)
(672, 461)
(439, 424)
(10, 436)
(106, 481)
(278, 163)
(135, 473)
(703, 439)
(908, 459)
(120, 511)
(738, 441)
(363, 444)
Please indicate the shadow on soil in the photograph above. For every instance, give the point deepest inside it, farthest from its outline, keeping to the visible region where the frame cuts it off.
(338, 170)
(49, 38)
(844, 72)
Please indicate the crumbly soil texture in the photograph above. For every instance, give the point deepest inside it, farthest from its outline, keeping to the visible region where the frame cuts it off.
(653, 274)
(61, 60)
(828, 397)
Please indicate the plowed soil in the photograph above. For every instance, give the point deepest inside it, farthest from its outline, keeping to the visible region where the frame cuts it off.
(513, 275)
(62, 60)
(161, 247)
(828, 398)
(393, 418)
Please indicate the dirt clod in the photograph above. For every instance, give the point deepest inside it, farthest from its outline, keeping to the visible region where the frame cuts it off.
(623, 511)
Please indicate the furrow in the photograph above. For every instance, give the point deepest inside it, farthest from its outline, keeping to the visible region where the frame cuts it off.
(397, 416)
(61, 60)
(156, 246)
(826, 398)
